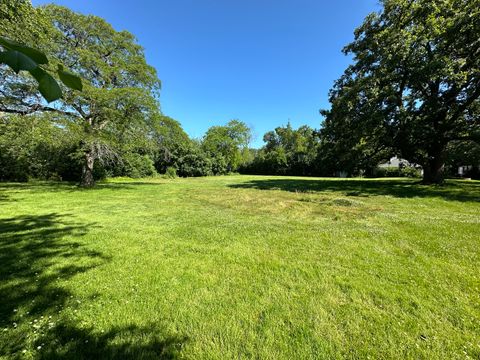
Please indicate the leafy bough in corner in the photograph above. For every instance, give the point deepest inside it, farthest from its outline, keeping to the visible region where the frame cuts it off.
(20, 57)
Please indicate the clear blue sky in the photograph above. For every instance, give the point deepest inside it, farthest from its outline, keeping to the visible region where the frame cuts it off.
(261, 61)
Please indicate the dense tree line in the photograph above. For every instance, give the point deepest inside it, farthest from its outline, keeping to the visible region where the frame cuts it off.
(308, 152)
(113, 127)
(47, 146)
(412, 91)
(286, 152)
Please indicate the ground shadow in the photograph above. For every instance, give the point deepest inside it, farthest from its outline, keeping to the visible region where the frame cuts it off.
(29, 247)
(37, 254)
(149, 342)
(451, 190)
(54, 186)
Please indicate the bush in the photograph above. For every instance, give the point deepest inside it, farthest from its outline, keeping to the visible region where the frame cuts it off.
(393, 171)
(171, 172)
(410, 172)
(138, 166)
(195, 164)
(219, 165)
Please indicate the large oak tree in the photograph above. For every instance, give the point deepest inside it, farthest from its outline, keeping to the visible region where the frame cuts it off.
(120, 88)
(414, 85)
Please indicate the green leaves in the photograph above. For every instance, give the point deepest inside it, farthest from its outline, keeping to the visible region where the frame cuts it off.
(47, 85)
(17, 61)
(69, 79)
(33, 54)
(414, 84)
(20, 57)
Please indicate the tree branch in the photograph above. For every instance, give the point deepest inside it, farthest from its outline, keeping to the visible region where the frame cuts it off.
(474, 96)
(35, 108)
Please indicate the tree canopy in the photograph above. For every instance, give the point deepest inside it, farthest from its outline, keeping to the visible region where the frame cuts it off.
(412, 91)
(287, 151)
(414, 85)
(120, 86)
(229, 142)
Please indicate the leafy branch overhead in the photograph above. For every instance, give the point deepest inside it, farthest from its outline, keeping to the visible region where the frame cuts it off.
(20, 57)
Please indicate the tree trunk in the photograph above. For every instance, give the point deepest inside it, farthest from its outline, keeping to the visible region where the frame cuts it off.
(433, 170)
(87, 170)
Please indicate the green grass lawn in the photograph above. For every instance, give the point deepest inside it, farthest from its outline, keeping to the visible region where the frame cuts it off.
(240, 267)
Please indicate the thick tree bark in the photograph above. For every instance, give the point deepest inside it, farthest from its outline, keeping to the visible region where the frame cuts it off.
(87, 170)
(433, 169)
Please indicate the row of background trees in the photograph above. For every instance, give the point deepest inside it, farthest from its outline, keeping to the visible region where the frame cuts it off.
(412, 91)
(45, 146)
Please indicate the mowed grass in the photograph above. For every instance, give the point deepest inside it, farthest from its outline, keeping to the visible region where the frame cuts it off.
(240, 267)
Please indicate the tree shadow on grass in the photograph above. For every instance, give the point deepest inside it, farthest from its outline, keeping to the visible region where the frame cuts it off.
(38, 253)
(30, 248)
(54, 186)
(453, 190)
(68, 341)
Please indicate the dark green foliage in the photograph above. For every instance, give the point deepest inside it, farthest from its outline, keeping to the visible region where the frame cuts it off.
(119, 99)
(414, 86)
(220, 165)
(28, 56)
(221, 151)
(47, 85)
(171, 172)
(287, 152)
(463, 153)
(16, 60)
(227, 145)
(69, 79)
(20, 57)
(138, 166)
(395, 171)
(194, 163)
(24, 38)
(50, 147)
(35, 147)
(42, 147)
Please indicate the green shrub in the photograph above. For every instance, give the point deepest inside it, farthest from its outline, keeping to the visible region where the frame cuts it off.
(138, 166)
(195, 164)
(393, 171)
(382, 171)
(219, 165)
(410, 172)
(171, 172)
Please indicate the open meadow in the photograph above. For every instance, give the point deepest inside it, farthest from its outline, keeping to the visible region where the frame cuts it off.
(240, 267)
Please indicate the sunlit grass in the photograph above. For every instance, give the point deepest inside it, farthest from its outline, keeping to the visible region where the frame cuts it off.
(240, 267)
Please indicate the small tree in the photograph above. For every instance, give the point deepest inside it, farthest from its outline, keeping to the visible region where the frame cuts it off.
(229, 141)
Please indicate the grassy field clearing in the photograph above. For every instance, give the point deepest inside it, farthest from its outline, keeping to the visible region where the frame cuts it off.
(240, 267)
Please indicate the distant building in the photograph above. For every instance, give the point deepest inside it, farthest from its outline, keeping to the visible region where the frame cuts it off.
(468, 171)
(397, 163)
